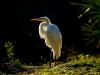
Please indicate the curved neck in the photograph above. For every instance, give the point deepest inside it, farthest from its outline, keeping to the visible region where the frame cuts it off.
(47, 21)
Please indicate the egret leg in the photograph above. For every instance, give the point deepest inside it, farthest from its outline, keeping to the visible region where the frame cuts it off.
(55, 61)
(50, 58)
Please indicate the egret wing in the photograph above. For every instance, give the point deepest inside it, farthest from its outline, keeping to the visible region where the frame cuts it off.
(54, 38)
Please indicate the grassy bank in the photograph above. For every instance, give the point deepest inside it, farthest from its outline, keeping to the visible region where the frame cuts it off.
(76, 65)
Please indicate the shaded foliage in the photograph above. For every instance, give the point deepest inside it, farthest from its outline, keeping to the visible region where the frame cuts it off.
(91, 29)
(10, 64)
(91, 26)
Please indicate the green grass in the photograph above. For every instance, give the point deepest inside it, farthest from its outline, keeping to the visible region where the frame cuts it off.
(76, 65)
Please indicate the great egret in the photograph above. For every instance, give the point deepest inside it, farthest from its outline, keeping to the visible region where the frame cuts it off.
(51, 34)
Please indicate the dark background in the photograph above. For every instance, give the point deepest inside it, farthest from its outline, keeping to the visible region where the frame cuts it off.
(16, 26)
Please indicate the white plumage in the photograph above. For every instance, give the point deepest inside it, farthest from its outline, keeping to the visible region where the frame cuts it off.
(51, 34)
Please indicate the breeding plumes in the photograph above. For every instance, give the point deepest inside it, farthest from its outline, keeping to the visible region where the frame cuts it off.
(51, 35)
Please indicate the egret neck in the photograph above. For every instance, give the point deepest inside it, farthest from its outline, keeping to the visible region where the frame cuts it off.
(47, 21)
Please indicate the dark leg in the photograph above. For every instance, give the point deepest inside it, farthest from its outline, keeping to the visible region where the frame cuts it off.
(55, 61)
(50, 58)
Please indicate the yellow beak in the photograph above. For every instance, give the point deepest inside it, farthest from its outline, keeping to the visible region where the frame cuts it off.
(37, 19)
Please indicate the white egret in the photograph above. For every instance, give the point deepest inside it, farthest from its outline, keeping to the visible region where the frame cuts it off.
(51, 34)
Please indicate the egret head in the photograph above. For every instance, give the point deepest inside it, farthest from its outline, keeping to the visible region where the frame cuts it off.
(44, 19)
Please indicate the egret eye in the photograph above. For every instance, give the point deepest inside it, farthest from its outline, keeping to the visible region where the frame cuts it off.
(44, 28)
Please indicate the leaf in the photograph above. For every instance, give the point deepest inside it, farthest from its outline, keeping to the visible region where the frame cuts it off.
(91, 41)
(97, 2)
(87, 34)
(98, 44)
(96, 17)
(86, 29)
(86, 39)
(96, 32)
(89, 26)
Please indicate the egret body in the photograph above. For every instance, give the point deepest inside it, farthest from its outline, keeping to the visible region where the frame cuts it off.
(51, 34)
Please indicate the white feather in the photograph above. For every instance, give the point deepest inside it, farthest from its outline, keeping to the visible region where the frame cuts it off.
(52, 36)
